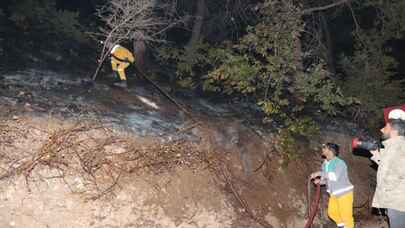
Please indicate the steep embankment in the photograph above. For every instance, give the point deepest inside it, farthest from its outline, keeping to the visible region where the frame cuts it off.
(72, 156)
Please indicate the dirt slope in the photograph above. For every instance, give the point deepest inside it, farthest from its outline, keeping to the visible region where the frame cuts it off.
(74, 157)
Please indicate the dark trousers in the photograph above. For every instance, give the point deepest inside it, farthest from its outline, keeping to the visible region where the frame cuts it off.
(397, 218)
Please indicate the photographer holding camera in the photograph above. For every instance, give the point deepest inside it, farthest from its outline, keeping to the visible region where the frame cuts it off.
(390, 190)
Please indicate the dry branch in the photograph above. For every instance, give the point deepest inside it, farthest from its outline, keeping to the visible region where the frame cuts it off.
(320, 8)
(217, 164)
(128, 20)
(89, 151)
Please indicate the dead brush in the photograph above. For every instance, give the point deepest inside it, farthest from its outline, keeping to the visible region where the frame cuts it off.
(99, 158)
(9, 131)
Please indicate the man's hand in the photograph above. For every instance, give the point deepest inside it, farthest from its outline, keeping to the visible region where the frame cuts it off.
(315, 175)
(376, 156)
(374, 152)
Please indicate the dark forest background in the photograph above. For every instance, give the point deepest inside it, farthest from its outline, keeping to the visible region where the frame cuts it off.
(292, 62)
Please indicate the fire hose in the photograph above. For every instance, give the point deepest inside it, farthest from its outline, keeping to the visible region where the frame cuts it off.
(314, 206)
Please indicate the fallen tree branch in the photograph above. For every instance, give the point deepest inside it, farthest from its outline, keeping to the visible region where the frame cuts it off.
(320, 8)
(107, 190)
(228, 179)
(171, 99)
(93, 156)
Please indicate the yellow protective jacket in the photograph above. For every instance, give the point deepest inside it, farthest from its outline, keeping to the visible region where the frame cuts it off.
(390, 190)
(122, 54)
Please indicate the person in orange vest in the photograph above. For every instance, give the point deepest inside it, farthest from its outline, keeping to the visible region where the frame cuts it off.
(121, 58)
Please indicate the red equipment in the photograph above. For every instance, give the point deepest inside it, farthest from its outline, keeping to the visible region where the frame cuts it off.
(366, 145)
(314, 206)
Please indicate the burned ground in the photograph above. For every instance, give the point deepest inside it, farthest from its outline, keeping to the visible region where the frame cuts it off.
(79, 156)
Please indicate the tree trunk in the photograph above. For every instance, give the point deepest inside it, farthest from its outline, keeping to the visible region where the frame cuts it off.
(328, 44)
(139, 49)
(197, 26)
(298, 53)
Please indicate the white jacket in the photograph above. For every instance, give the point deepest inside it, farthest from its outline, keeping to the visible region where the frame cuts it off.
(390, 190)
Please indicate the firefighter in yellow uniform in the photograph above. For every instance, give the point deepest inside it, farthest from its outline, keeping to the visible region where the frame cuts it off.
(121, 58)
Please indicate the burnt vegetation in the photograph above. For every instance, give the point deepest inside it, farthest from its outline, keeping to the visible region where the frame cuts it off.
(296, 61)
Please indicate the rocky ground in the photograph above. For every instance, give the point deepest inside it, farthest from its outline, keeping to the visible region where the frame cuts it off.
(72, 155)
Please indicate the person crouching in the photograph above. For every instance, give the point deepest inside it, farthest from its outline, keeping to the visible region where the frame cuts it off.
(121, 58)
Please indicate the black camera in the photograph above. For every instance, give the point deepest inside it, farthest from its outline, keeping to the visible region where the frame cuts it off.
(365, 144)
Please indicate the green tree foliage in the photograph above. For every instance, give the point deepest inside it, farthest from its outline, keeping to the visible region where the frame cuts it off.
(286, 137)
(263, 65)
(188, 64)
(42, 18)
